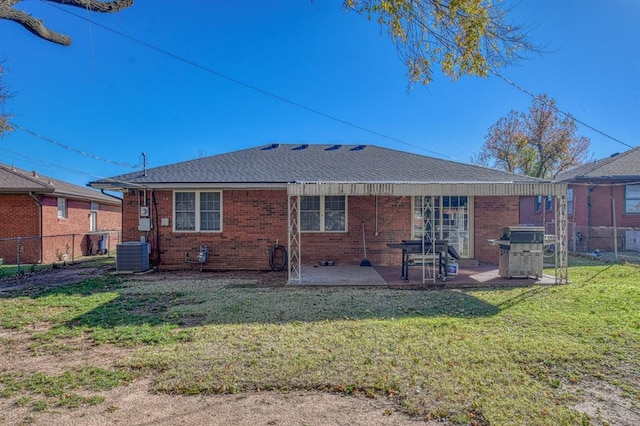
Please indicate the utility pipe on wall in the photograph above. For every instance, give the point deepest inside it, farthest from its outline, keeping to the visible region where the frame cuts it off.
(615, 228)
(39, 204)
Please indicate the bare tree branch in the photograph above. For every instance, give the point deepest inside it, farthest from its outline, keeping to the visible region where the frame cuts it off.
(37, 27)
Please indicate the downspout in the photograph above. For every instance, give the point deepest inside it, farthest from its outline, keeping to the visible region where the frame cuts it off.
(588, 230)
(613, 221)
(154, 203)
(121, 212)
(39, 204)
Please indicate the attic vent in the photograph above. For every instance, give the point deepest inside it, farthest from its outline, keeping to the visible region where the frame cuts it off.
(333, 148)
(272, 146)
(358, 148)
(300, 148)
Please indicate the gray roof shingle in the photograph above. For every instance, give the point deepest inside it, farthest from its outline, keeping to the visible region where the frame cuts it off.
(14, 180)
(284, 163)
(619, 166)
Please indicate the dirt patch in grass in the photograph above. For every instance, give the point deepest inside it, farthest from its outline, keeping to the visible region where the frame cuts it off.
(606, 405)
(19, 352)
(135, 405)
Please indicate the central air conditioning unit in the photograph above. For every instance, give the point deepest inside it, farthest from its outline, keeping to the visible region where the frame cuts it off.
(632, 240)
(132, 256)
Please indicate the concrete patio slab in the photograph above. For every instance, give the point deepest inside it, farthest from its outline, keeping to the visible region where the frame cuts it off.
(340, 275)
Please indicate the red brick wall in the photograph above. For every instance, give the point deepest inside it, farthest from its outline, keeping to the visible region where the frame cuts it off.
(601, 211)
(529, 215)
(19, 216)
(393, 225)
(109, 217)
(491, 215)
(579, 213)
(594, 216)
(254, 220)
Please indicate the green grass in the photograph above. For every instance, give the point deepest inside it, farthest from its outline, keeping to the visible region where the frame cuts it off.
(503, 356)
(10, 270)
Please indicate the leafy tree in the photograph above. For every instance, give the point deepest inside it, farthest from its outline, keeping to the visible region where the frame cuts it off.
(466, 37)
(541, 143)
(37, 27)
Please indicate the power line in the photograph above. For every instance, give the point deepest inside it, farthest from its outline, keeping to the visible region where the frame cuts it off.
(523, 90)
(70, 148)
(249, 86)
(74, 171)
(18, 155)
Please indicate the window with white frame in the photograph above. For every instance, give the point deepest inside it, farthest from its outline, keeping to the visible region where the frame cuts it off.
(62, 208)
(538, 203)
(570, 201)
(93, 217)
(198, 211)
(632, 199)
(549, 203)
(323, 213)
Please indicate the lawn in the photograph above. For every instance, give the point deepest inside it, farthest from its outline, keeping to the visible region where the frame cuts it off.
(500, 356)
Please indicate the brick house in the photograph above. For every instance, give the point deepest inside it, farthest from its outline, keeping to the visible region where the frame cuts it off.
(601, 196)
(317, 201)
(55, 220)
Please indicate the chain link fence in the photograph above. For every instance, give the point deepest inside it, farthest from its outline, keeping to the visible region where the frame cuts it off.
(611, 243)
(51, 249)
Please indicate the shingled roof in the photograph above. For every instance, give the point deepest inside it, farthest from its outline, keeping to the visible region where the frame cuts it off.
(288, 163)
(16, 181)
(622, 166)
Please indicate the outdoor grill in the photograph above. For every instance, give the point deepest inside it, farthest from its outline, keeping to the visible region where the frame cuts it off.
(521, 251)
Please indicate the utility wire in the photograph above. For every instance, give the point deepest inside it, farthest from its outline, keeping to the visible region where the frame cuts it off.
(249, 86)
(315, 111)
(78, 151)
(18, 155)
(523, 90)
(78, 172)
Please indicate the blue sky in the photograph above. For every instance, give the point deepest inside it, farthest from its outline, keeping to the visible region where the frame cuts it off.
(112, 98)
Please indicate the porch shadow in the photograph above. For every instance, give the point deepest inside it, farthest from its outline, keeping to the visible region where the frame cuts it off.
(250, 304)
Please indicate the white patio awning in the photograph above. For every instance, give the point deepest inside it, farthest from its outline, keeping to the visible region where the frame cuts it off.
(436, 188)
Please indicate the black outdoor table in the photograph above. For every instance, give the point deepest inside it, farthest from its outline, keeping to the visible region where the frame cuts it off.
(442, 249)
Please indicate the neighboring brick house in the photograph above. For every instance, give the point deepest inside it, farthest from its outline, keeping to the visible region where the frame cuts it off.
(316, 200)
(55, 220)
(602, 196)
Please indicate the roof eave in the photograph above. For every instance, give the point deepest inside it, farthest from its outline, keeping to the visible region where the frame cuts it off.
(38, 190)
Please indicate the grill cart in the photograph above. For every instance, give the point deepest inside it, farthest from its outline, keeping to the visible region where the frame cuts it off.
(521, 251)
